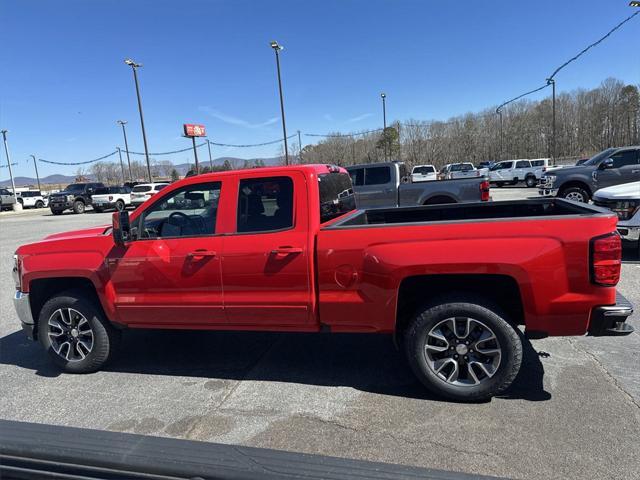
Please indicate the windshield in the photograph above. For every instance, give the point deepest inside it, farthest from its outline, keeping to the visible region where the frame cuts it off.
(336, 195)
(597, 158)
(141, 188)
(75, 187)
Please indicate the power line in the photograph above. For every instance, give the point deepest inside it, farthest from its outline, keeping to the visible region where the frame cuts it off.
(520, 96)
(252, 144)
(188, 149)
(79, 163)
(583, 51)
(338, 135)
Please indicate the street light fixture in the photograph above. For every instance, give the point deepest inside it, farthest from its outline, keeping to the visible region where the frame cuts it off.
(122, 123)
(134, 66)
(276, 48)
(634, 3)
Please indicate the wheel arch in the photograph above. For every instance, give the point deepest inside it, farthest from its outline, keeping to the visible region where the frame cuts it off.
(577, 183)
(43, 289)
(499, 289)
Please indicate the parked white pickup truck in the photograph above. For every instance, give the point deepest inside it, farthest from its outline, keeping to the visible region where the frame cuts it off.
(32, 199)
(459, 170)
(423, 173)
(624, 200)
(106, 198)
(514, 171)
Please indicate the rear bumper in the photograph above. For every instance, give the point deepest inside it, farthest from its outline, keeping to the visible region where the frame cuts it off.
(23, 309)
(629, 233)
(610, 320)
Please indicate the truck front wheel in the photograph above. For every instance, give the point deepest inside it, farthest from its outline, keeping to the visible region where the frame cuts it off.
(75, 333)
(575, 193)
(463, 349)
(78, 206)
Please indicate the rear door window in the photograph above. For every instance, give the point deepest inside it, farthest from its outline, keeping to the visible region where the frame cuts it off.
(622, 159)
(265, 204)
(523, 164)
(377, 175)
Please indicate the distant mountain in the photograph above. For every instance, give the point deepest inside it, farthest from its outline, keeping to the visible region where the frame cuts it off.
(182, 169)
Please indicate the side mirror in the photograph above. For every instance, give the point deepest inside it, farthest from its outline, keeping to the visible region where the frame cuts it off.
(121, 227)
(608, 163)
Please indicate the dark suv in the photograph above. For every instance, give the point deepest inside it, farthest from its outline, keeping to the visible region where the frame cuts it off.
(76, 196)
(612, 166)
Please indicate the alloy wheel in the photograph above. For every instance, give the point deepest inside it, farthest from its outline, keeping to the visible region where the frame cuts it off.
(463, 351)
(577, 196)
(70, 334)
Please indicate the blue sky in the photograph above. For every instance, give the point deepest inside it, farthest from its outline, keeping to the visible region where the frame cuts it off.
(63, 83)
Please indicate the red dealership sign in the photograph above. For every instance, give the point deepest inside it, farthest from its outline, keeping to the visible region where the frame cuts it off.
(192, 130)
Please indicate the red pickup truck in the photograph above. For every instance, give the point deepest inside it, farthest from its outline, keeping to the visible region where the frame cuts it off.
(284, 249)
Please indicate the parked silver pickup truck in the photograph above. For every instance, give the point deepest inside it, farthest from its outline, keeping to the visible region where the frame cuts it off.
(388, 185)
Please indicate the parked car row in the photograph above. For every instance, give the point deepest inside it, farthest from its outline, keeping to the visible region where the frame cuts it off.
(26, 198)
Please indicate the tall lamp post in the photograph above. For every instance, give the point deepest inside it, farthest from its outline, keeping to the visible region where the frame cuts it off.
(134, 66)
(35, 164)
(499, 112)
(210, 157)
(6, 151)
(553, 118)
(276, 48)
(384, 123)
(122, 123)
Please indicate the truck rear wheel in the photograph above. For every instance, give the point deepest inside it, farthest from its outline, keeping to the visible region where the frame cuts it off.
(463, 349)
(120, 205)
(530, 181)
(75, 333)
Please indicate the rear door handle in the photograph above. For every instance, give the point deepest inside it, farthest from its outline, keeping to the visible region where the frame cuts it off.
(201, 253)
(286, 250)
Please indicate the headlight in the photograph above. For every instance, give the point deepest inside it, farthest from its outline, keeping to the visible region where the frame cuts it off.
(550, 179)
(625, 209)
(70, 198)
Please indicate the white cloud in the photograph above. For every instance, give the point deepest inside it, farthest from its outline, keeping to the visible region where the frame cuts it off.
(234, 120)
(359, 118)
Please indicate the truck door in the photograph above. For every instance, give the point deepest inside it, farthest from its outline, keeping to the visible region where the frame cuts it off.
(379, 189)
(626, 168)
(266, 261)
(169, 275)
(521, 169)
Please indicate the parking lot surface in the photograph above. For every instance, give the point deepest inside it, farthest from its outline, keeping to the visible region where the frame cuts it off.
(573, 412)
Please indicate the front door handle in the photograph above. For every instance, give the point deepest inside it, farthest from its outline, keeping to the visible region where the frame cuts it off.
(201, 254)
(286, 250)
(635, 171)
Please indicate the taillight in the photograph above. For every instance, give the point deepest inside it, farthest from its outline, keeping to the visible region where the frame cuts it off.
(606, 259)
(484, 191)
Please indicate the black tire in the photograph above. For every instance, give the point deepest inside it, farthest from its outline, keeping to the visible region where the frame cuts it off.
(575, 193)
(530, 181)
(470, 306)
(57, 212)
(98, 209)
(120, 206)
(105, 338)
(39, 204)
(78, 206)
(500, 184)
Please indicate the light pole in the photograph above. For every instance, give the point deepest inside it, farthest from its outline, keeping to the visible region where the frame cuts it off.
(210, 157)
(499, 112)
(121, 164)
(553, 118)
(384, 123)
(134, 66)
(276, 48)
(126, 146)
(35, 164)
(6, 151)
(195, 155)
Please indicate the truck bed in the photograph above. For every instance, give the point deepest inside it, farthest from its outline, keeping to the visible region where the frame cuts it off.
(517, 209)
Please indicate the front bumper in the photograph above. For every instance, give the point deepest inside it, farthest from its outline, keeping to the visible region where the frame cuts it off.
(629, 233)
(548, 192)
(610, 320)
(60, 204)
(23, 309)
(104, 205)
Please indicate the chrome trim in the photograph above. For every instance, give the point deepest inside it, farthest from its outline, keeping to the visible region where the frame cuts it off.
(633, 233)
(23, 307)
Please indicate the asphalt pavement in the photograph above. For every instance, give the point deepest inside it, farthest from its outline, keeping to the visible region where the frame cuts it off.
(573, 412)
